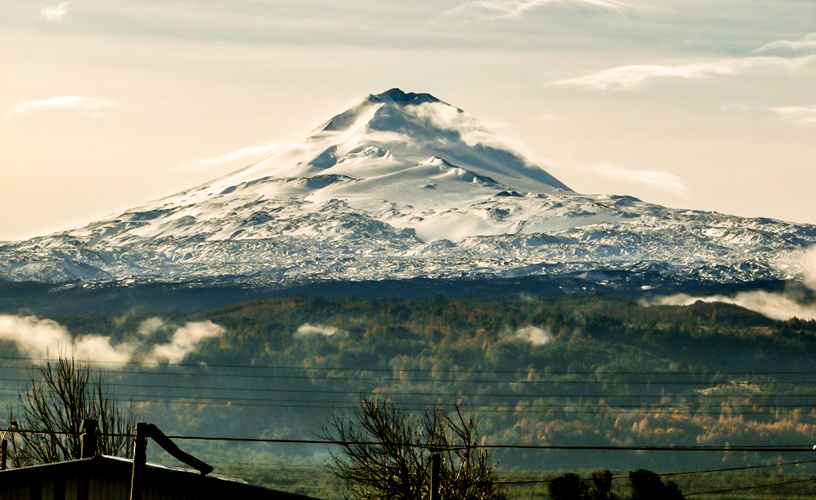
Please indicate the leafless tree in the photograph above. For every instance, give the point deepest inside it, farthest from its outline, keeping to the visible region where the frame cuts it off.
(54, 407)
(386, 454)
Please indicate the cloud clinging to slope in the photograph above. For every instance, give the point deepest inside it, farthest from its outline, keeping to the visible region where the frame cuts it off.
(778, 306)
(238, 158)
(450, 118)
(184, 341)
(90, 106)
(515, 9)
(665, 181)
(531, 334)
(658, 179)
(772, 305)
(808, 265)
(38, 337)
(42, 337)
(150, 326)
(57, 13)
(635, 75)
(316, 330)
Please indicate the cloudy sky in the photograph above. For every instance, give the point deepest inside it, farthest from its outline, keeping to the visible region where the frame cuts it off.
(705, 104)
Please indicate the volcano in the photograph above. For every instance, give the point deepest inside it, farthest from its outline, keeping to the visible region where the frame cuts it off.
(403, 186)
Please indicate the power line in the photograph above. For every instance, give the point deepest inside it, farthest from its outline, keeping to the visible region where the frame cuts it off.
(407, 370)
(455, 393)
(798, 448)
(672, 474)
(487, 407)
(733, 469)
(483, 408)
(392, 378)
(754, 487)
(561, 405)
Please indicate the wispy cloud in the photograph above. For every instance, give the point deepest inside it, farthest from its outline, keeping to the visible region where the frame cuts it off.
(658, 179)
(240, 157)
(38, 338)
(515, 9)
(799, 116)
(56, 13)
(773, 305)
(447, 117)
(150, 326)
(90, 106)
(531, 334)
(633, 76)
(808, 266)
(185, 341)
(310, 330)
(42, 337)
(806, 43)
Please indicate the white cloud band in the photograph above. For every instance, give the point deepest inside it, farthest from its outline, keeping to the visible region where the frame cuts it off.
(185, 341)
(515, 9)
(657, 179)
(41, 338)
(633, 76)
(310, 330)
(773, 305)
(806, 43)
(90, 106)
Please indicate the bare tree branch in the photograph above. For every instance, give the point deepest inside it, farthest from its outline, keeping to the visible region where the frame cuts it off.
(386, 454)
(55, 406)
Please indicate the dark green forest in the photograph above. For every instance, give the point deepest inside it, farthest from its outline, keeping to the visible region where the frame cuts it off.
(595, 376)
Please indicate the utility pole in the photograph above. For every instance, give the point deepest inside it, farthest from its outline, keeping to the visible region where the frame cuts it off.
(89, 437)
(4, 445)
(139, 460)
(436, 468)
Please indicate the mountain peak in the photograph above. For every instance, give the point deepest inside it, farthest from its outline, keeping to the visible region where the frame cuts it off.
(412, 127)
(397, 96)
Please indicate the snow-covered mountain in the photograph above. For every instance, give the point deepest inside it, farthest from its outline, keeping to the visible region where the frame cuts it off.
(400, 186)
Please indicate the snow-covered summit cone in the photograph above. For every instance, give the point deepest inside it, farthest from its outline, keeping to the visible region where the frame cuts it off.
(395, 130)
(408, 160)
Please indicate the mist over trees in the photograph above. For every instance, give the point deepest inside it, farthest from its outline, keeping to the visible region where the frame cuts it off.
(578, 371)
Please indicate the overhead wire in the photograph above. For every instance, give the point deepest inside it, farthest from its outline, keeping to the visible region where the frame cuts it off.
(525, 381)
(572, 409)
(409, 370)
(790, 448)
(673, 474)
(753, 487)
(392, 391)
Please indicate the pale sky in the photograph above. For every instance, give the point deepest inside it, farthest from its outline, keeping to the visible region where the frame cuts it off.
(702, 104)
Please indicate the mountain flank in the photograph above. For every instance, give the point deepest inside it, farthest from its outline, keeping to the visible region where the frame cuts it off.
(401, 187)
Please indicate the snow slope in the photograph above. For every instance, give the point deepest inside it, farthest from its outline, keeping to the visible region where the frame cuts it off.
(400, 186)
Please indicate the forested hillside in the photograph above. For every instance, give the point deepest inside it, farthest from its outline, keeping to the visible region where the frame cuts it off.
(578, 372)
